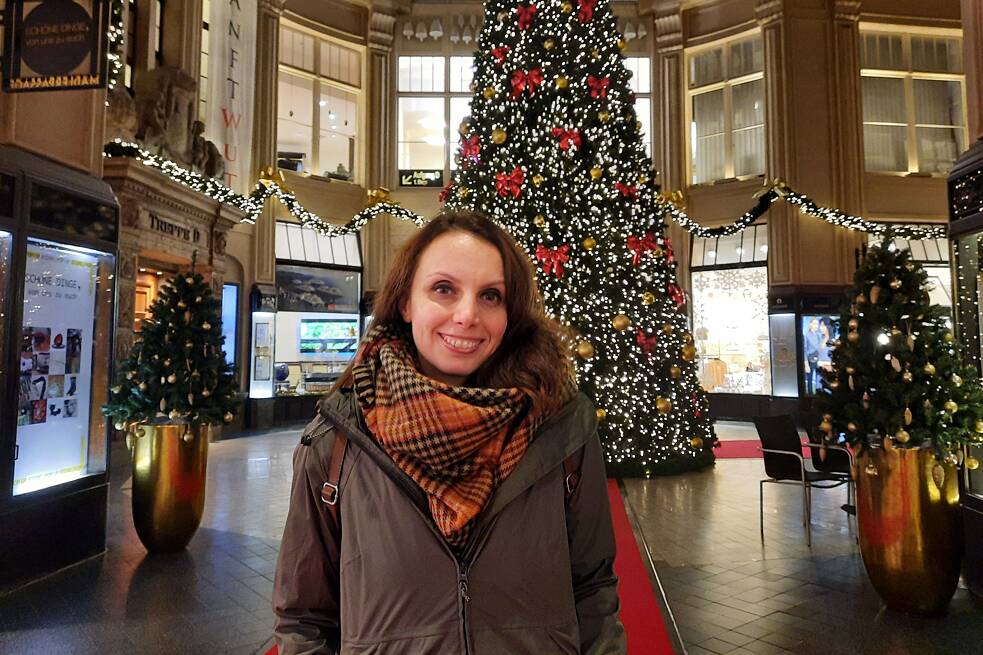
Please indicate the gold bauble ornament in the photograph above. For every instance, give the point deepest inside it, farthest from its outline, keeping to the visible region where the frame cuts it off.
(667, 328)
(143, 387)
(228, 417)
(595, 173)
(871, 471)
(566, 8)
(851, 426)
(850, 370)
(539, 220)
(206, 326)
(585, 349)
(826, 426)
(689, 352)
(621, 322)
(663, 405)
(928, 369)
(675, 372)
(601, 413)
(951, 406)
(648, 298)
(181, 304)
(853, 336)
(538, 179)
(956, 380)
(548, 44)
(948, 337)
(860, 299)
(834, 384)
(589, 243)
(907, 416)
(595, 53)
(638, 126)
(562, 82)
(895, 284)
(895, 332)
(696, 442)
(498, 136)
(174, 415)
(902, 436)
(603, 116)
(907, 376)
(853, 323)
(489, 92)
(875, 295)
(642, 179)
(979, 427)
(119, 425)
(197, 299)
(972, 463)
(172, 378)
(205, 393)
(621, 44)
(463, 191)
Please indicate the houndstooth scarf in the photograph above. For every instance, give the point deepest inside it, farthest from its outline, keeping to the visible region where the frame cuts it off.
(456, 443)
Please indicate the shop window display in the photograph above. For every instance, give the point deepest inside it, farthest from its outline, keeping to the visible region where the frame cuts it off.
(730, 326)
(818, 334)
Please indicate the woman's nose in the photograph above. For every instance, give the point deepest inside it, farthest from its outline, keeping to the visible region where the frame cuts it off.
(466, 312)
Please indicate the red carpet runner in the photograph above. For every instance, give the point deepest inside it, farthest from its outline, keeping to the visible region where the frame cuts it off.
(640, 614)
(743, 449)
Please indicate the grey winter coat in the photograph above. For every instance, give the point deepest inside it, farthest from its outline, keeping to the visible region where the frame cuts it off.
(537, 576)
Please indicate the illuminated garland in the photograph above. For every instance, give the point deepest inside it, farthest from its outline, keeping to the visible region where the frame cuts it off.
(117, 37)
(252, 204)
(780, 190)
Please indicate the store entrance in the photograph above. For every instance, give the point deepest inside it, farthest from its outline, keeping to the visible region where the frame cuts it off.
(152, 276)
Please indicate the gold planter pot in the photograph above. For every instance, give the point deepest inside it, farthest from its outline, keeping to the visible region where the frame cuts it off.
(168, 484)
(910, 523)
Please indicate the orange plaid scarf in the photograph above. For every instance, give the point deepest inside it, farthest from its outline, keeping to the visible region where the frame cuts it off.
(456, 443)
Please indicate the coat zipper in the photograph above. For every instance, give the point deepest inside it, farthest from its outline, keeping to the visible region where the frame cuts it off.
(465, 599)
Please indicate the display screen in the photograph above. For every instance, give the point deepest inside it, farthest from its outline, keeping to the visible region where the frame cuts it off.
(328, 340)
(66, 331)
(818, 334)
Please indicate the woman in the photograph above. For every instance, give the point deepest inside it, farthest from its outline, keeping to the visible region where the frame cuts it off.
(450, 528)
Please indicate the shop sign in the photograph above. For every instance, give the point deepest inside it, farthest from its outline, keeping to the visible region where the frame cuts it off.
(55, 45)
(176, 230)
(426, 178)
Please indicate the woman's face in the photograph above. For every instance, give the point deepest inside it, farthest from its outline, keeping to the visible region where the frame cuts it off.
(456, 306)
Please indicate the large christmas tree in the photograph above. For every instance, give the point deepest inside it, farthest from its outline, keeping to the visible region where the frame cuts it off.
(553, 151)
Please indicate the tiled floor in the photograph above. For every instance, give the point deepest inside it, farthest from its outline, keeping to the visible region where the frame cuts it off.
(731, 594)
(727, 591)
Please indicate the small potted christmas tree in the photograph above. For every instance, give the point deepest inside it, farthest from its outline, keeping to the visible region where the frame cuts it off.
(172, 387)
(901, 396)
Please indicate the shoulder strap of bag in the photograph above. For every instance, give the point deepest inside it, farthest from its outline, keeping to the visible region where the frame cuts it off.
(571, 472)
(329, 490)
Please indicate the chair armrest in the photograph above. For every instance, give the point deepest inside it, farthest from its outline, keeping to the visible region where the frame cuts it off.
(844, 449)
(798, 456)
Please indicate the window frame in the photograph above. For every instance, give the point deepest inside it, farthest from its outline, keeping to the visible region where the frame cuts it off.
(320, 83)
(726, 85)
(909, 76)
(649, 139)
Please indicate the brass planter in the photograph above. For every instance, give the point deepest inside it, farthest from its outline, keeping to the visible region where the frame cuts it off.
(168, 484)
(910, 527)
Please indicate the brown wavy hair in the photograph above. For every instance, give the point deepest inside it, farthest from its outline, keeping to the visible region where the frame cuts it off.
(532, 355)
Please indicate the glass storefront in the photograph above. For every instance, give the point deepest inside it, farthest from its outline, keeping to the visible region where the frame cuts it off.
(729, 277)
(64, 343)
(969, 284)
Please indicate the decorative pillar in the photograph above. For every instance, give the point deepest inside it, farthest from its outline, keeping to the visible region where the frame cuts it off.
(126, 286)
(182, 30)
(376, 235)
(264, 129)
(972, 20)
(669, 150)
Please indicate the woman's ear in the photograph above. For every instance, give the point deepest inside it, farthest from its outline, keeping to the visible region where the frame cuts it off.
(404, 310)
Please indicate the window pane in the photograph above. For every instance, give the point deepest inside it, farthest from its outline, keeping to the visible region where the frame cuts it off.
(761, 243)
(707, 136)
(643, 110)
(710, 252)
(749, 132)
(641, 74)
(938, 148)
(230, 313)
(295, 122)
(340, 63)
(424, 74)
(884, 100)
(729, 249)
(745, 57)
(696, 257)
(882, 51)
(885, 148)
(420, 133)
(706, 68)
(339, 127)
(938, 102)
(460, 108)
(462, 70)
(936, 55)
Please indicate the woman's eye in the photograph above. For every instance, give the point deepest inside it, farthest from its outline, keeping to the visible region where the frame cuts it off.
(492, 296)
(442, 289)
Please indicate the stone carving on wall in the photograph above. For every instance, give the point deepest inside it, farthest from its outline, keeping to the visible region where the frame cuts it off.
(164, 108)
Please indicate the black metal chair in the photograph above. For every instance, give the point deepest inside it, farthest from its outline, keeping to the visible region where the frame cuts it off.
(784, 464)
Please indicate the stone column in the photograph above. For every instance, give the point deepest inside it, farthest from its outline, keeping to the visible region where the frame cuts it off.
(182, 35)
(972, 19)
(126, 285)
(264, 129)
(378, 173)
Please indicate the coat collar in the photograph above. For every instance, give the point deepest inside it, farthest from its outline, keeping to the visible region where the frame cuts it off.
(558, 438)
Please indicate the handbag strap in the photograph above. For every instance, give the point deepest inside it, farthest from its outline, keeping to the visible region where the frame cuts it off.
(571, 472)
(330, 489)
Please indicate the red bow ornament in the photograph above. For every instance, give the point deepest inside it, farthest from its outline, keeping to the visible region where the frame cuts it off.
(626, 190)
(525, 16)
(696, 407)
(522, 79)
(567, 138)
(499, 54)
(470, 148)
(598, 86)
(445, 193)
(586, 10)
(553, 258)
(646, 343)
(670, 256)
(506, 183)
(677, 295)
(639, 246)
